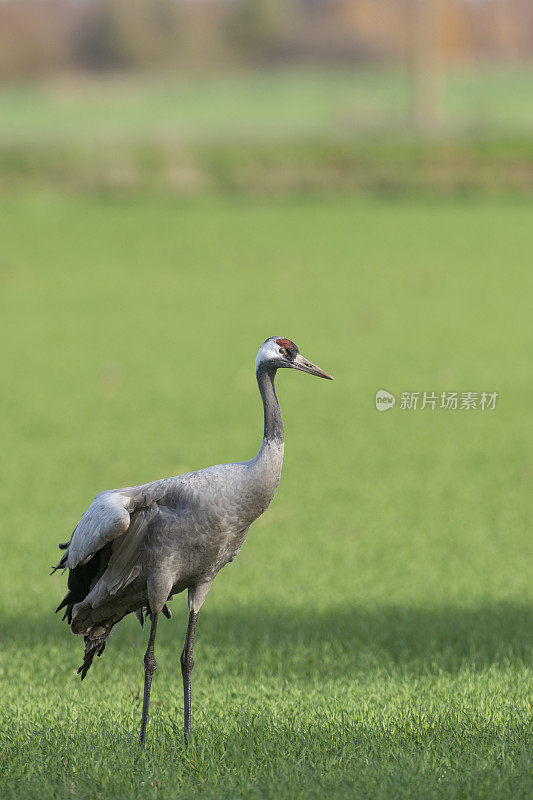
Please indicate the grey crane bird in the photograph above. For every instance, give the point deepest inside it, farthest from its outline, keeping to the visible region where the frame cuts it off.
(134, 548)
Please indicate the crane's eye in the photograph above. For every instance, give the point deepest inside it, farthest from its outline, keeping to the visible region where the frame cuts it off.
(282, 351)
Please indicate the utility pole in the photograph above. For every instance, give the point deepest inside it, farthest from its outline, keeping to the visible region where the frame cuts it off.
(425, 62)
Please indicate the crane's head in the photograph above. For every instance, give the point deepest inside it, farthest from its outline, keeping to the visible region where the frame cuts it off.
(277, 353)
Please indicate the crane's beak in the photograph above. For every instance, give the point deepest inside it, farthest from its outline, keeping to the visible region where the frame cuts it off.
(306, 366)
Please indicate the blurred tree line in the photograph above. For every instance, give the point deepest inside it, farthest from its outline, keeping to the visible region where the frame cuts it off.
(40, 37)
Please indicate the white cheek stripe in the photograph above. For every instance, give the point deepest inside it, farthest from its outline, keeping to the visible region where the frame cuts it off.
(267, 351)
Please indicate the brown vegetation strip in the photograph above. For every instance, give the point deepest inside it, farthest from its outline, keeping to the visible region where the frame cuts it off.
(442, 167)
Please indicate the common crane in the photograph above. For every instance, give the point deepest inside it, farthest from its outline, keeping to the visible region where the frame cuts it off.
(134, 548)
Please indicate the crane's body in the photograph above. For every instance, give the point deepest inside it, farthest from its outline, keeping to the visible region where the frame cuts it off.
(134, 548)
(181, 532)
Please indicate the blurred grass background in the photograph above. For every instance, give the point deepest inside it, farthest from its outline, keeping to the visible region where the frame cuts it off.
(276, 132)
(174, 188)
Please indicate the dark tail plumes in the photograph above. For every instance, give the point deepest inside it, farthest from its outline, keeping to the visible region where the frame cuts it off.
(80, 579)
(94, 646)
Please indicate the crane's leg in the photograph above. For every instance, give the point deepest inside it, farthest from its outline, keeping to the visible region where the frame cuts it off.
(150, 666)
(187, 663)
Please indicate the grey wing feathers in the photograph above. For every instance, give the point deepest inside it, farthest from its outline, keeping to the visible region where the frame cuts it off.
(107, 518)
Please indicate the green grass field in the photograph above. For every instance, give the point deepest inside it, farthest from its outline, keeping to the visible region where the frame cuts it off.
(373, 638)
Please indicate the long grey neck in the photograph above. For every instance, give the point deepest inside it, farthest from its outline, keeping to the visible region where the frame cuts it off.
(266, 466)
(273, 430)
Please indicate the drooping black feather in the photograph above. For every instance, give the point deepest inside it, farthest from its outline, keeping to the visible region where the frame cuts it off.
(80, 580)
(93, 647)
(62, 564)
